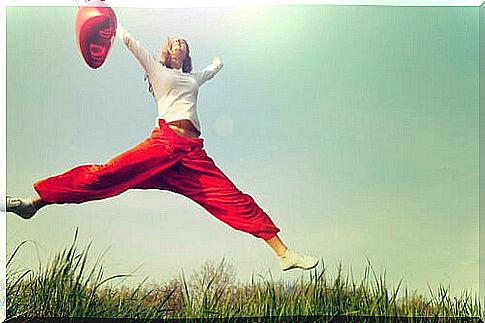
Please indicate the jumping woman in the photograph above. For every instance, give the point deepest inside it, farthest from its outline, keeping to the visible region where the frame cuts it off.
(171, 158)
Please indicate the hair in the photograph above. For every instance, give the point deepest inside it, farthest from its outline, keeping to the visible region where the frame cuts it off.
(165, 57)
(165, 60)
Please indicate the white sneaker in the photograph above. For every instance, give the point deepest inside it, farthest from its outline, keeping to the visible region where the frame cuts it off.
(22, 207)
(291, 260)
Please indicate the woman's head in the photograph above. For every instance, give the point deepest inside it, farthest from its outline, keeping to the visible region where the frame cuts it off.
(176, 54)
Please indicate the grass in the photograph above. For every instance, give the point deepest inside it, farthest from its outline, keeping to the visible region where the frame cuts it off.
(66, 287)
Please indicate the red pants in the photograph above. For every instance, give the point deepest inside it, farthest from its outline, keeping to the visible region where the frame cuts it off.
(162, 161)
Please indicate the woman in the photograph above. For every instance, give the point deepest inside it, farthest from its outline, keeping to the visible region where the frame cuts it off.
(171, 158)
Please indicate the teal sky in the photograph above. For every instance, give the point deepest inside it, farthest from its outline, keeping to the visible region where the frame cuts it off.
(355, 128)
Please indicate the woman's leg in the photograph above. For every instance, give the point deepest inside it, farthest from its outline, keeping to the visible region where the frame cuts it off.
(197, 177)
(98, 181)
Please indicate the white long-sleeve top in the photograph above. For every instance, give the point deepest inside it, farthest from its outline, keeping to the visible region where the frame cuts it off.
(175, 91)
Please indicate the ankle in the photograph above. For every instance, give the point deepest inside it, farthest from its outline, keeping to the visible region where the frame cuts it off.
(37, 202)
(281, 253)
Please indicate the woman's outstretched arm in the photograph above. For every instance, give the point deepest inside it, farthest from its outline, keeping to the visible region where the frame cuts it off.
(142, 56)
(209, 72)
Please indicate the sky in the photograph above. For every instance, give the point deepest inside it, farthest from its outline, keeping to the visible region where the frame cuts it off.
(355, 128)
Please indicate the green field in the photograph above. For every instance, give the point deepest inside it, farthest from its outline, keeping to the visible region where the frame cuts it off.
(68, 287)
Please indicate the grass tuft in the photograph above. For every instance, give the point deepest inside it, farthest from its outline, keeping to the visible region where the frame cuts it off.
(66, 287)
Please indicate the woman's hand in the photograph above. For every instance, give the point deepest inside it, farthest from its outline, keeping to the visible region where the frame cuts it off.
(217, 60)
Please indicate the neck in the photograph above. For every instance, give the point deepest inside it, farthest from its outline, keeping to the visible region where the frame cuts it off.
(175, 63)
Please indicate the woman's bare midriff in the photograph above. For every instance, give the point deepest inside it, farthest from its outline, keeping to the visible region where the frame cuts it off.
(184, 128)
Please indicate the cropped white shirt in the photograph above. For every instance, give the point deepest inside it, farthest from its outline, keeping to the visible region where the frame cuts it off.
(175, 91)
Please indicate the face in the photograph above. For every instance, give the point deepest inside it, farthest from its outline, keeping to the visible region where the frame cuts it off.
(178, 49)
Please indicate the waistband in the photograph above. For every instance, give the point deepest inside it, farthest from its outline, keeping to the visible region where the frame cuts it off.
(162, 124)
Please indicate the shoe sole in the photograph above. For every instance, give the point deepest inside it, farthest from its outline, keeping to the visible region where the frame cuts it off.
(297, 267)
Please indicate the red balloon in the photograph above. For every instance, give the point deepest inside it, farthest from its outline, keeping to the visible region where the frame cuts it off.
(95, 32)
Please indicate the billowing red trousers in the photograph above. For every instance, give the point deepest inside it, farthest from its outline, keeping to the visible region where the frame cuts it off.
(163, 161)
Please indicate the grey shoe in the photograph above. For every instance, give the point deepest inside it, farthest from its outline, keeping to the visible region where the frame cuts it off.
(22, 207)
(291, 260)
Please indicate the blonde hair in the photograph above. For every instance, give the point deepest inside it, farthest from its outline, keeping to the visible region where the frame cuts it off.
(165, 57)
